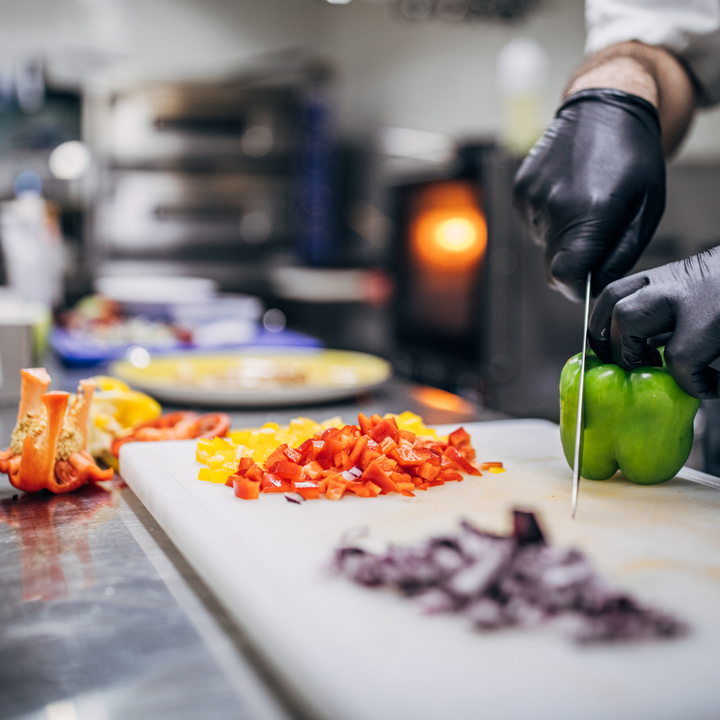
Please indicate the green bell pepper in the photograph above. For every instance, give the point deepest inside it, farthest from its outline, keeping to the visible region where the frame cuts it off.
(638, 421)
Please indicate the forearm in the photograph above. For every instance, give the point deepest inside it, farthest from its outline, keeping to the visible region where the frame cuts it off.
(649, 72)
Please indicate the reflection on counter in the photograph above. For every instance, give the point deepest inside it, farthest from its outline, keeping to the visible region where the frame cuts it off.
(52, 533)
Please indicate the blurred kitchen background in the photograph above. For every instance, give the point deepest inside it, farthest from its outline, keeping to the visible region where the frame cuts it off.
(222, 173)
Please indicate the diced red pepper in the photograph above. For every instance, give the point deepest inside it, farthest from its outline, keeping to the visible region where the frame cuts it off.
(293, 455)
(244, 465)
(367, 457)
(428, 472)
(391, 460)
(365, 424)
(458, 438)
(313, 470)
(277, 454)
(461, 462)
(335, 488)
(273, 483)
(326, 456)
(407, 457)
(330, 432)
(254, 473)
(342, 460)
(375, 474)
(246, 489)
(385, 428)
(365, 490)
(306, 452)
(357, 451)
(318, 445)
(286, 470)
(309, 489)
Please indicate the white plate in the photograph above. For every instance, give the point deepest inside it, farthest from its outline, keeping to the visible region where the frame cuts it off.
(255, 378)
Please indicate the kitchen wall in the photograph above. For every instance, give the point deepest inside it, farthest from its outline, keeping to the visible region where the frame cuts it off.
(429, 75)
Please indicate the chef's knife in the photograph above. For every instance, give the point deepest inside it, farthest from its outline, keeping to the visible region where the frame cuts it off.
(577, 462)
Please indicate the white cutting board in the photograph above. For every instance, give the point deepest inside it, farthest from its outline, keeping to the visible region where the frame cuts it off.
(357, 654)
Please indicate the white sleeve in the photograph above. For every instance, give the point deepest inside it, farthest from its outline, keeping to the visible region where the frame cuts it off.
(690, 29)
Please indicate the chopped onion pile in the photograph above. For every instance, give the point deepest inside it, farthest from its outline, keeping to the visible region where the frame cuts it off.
(501, 581)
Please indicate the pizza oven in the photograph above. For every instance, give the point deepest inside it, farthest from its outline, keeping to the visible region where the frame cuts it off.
(473, 313)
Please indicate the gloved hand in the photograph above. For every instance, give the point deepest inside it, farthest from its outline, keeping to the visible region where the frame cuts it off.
(592, 189)
(682, 298)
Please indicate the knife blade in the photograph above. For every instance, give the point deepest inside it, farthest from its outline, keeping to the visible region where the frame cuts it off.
(577, 462)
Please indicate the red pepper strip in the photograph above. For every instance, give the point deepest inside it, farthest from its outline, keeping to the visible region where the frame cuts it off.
(77, 470)
(164, 422)
(175, 426)
(452, 454)
(213, 425)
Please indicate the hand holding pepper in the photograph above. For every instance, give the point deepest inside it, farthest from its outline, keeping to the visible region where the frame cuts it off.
(682, 298)
(592, 190)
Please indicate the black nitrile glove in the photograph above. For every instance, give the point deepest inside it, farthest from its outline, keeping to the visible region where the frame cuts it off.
(682, 298)
(592, 189)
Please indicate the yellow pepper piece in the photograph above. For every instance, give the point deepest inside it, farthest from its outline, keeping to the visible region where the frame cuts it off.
(220, 476)
(240, 437)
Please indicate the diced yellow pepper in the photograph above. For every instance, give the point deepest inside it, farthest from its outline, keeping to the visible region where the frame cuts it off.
(335, 422)
(219, 460)
(204, 474)
(240, 437)
(221, 444)
(220, 476)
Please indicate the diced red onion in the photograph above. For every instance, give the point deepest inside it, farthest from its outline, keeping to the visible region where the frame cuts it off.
(517, 580)
(352, 474)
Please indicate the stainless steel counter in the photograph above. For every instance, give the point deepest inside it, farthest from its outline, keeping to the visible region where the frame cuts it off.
(102, 619)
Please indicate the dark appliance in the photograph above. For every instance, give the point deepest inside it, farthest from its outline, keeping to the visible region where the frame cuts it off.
(473, 313)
